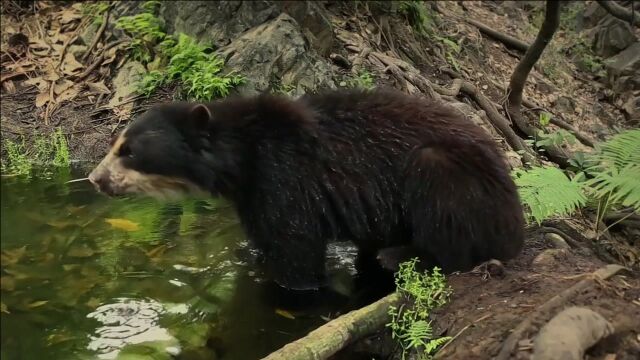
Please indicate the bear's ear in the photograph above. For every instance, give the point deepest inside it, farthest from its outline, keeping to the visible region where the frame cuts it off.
(200, 116)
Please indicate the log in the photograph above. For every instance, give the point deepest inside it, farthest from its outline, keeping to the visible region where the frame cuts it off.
(328, 339)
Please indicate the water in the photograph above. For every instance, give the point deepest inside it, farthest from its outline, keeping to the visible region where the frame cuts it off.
(85, 277)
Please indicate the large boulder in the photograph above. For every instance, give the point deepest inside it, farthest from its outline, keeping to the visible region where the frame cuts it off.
(277, 52)
(611, 36)
(623, 70)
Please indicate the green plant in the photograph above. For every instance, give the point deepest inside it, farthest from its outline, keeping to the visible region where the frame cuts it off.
(46, 152)
(410, 325)
(363, 80)
(95, 10)
(544, 118)
(145, 30)
(418, 16)
(609, 177)
(547, 191)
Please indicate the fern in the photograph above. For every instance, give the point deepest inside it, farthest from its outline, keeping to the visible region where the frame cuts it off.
(621, 150)
(621, 186)
(546, 191)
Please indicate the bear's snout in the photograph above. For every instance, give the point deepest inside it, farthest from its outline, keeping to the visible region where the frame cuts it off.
(101, 182)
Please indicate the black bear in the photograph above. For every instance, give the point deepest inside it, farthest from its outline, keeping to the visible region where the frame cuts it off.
(392, 172)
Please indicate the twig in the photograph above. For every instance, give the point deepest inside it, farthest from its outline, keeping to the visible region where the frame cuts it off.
(96, 38)
(441, 350)
(98, 60)
(509, 41)
(601, 274)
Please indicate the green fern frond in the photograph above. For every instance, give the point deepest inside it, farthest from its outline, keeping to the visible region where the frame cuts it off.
(623, 186)
(621, 150)
(432, 345)
(547, 191)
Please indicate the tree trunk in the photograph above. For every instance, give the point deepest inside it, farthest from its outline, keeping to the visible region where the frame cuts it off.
(522, 70)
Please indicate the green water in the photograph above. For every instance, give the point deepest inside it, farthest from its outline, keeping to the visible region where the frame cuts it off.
(85, 277)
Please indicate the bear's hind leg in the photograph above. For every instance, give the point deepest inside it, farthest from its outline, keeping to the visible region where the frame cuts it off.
(297, 262)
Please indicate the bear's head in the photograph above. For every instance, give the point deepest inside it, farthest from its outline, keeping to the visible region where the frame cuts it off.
(166, 153)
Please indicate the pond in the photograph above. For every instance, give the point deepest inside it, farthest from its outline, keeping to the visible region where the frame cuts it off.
(85, 277)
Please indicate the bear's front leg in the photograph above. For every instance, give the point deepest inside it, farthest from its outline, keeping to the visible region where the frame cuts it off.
(297, 262)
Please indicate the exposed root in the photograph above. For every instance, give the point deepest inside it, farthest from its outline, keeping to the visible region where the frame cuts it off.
(328, 339)
(556, 301)
(509, 41)
(569, 334)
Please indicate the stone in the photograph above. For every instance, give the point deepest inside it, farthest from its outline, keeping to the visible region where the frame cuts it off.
(125, 82)
(216, 22)
(313, 21)
(277, 51)
(611, 36)
(623, 70)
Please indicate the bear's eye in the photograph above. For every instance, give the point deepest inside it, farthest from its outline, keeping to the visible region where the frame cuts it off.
(125, 150)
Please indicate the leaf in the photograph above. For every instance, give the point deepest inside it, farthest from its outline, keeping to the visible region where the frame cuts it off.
(39, 82)
(123, 224)
(36, 304)
(68, 94)
(69, 15)
(4, 309)
(42, 99)
(12, 256)
(285, 313)
(70, 65)
(98, 88)
(81, 251)
(60, 87)
(7, 283)
(93, 302)
(157, 251)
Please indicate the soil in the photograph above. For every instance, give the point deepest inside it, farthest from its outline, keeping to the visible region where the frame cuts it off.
(484, 309)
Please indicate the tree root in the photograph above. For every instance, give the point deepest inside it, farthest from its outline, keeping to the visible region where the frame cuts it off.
(407, 74)
(569, 334)
(509, 41)
(328, 339)
(620, 12)
(556, 301)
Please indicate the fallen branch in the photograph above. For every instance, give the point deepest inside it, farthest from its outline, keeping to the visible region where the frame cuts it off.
(569, 334)
(98, 60)
(328, 339)
(556, 301)
(620, 12)
(509, 41)
(98, 35)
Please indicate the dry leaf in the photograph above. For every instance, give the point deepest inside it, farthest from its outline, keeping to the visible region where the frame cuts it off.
(36, 304)
(39, 82)
(9, 87)
(285, 313)
(123, 224)
(12, 256)
(157, 251)
(70, 65)
(80, 251)
(69, 15)
(59, 87)
(7, 283)
(98, 88)
(42, 99)
(68, 94)
(3, 308)
(39, 48)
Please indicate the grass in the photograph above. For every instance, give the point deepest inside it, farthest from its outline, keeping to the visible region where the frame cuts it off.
(175, 59)
(410, 325)
(47, 152)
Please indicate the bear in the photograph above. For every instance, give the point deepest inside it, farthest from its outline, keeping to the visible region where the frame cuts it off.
(394, 173)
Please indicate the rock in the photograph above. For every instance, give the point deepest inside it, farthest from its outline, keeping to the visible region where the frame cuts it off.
(592, 14)
(611, 36)
(77, 50)
(557, 241)
(125, 82)
(314, 22)
(564, 104)
(550, 257)
(632, 109)
(277, 51)
(623, 70)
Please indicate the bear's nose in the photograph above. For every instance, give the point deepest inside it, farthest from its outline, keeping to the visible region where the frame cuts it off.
(100, 182)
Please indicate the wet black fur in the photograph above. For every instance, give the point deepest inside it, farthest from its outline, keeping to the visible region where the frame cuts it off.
(382, 169)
